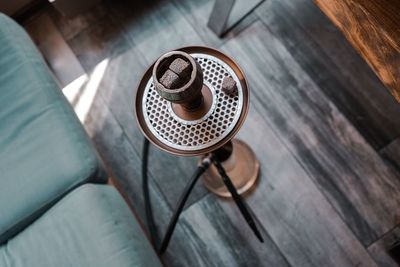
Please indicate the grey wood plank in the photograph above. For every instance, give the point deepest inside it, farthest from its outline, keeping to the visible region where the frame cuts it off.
(391, 153)
(197, 14)
(362, 188)
(58, 55)
(291, 208)
(101, 40)
(334, 65)
(69, 27)
(378, 249)
(156, 27)
(225, 239)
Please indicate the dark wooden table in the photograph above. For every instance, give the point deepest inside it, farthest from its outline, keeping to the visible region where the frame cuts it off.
(373, 28)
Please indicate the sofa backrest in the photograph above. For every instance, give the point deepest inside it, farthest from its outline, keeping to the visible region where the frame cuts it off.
(44, 150)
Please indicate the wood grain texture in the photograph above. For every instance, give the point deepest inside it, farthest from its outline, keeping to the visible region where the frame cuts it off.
(72, 26)
(154, 27)
(290, 207)
(373, 27)
(334, 65)
(225, 239)
(378, 249)
(392, 153)
(104, 39)
(359, 184)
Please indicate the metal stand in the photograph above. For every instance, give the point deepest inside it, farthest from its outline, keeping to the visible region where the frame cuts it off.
(226, 14)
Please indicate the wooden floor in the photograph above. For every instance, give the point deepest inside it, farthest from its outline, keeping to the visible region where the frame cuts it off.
(326, 131)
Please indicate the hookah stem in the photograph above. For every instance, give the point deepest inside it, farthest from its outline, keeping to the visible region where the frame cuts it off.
(237, 198)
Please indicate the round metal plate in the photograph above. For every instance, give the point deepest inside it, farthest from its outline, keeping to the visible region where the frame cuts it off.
(167, 131)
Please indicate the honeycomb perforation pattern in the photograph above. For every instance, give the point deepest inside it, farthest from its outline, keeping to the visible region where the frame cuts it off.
(200, 134)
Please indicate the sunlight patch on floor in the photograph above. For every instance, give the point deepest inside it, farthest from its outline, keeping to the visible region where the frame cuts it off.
(82, 91)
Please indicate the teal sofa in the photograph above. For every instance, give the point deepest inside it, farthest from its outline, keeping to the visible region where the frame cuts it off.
(56, 208)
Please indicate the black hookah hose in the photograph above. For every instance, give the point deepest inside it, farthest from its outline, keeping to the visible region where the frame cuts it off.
(181, 203)
(146, 195)
(240, 203)
(206, 162)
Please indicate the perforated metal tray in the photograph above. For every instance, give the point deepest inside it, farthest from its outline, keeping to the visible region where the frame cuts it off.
(175, 135)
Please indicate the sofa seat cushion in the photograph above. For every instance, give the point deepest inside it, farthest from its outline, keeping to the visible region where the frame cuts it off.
(44, 151)
(91, 226)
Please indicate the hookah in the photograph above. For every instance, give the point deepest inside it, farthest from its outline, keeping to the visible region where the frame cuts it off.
(192, 102)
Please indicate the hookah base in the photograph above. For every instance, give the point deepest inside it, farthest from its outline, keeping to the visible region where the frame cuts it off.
(241, 166)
